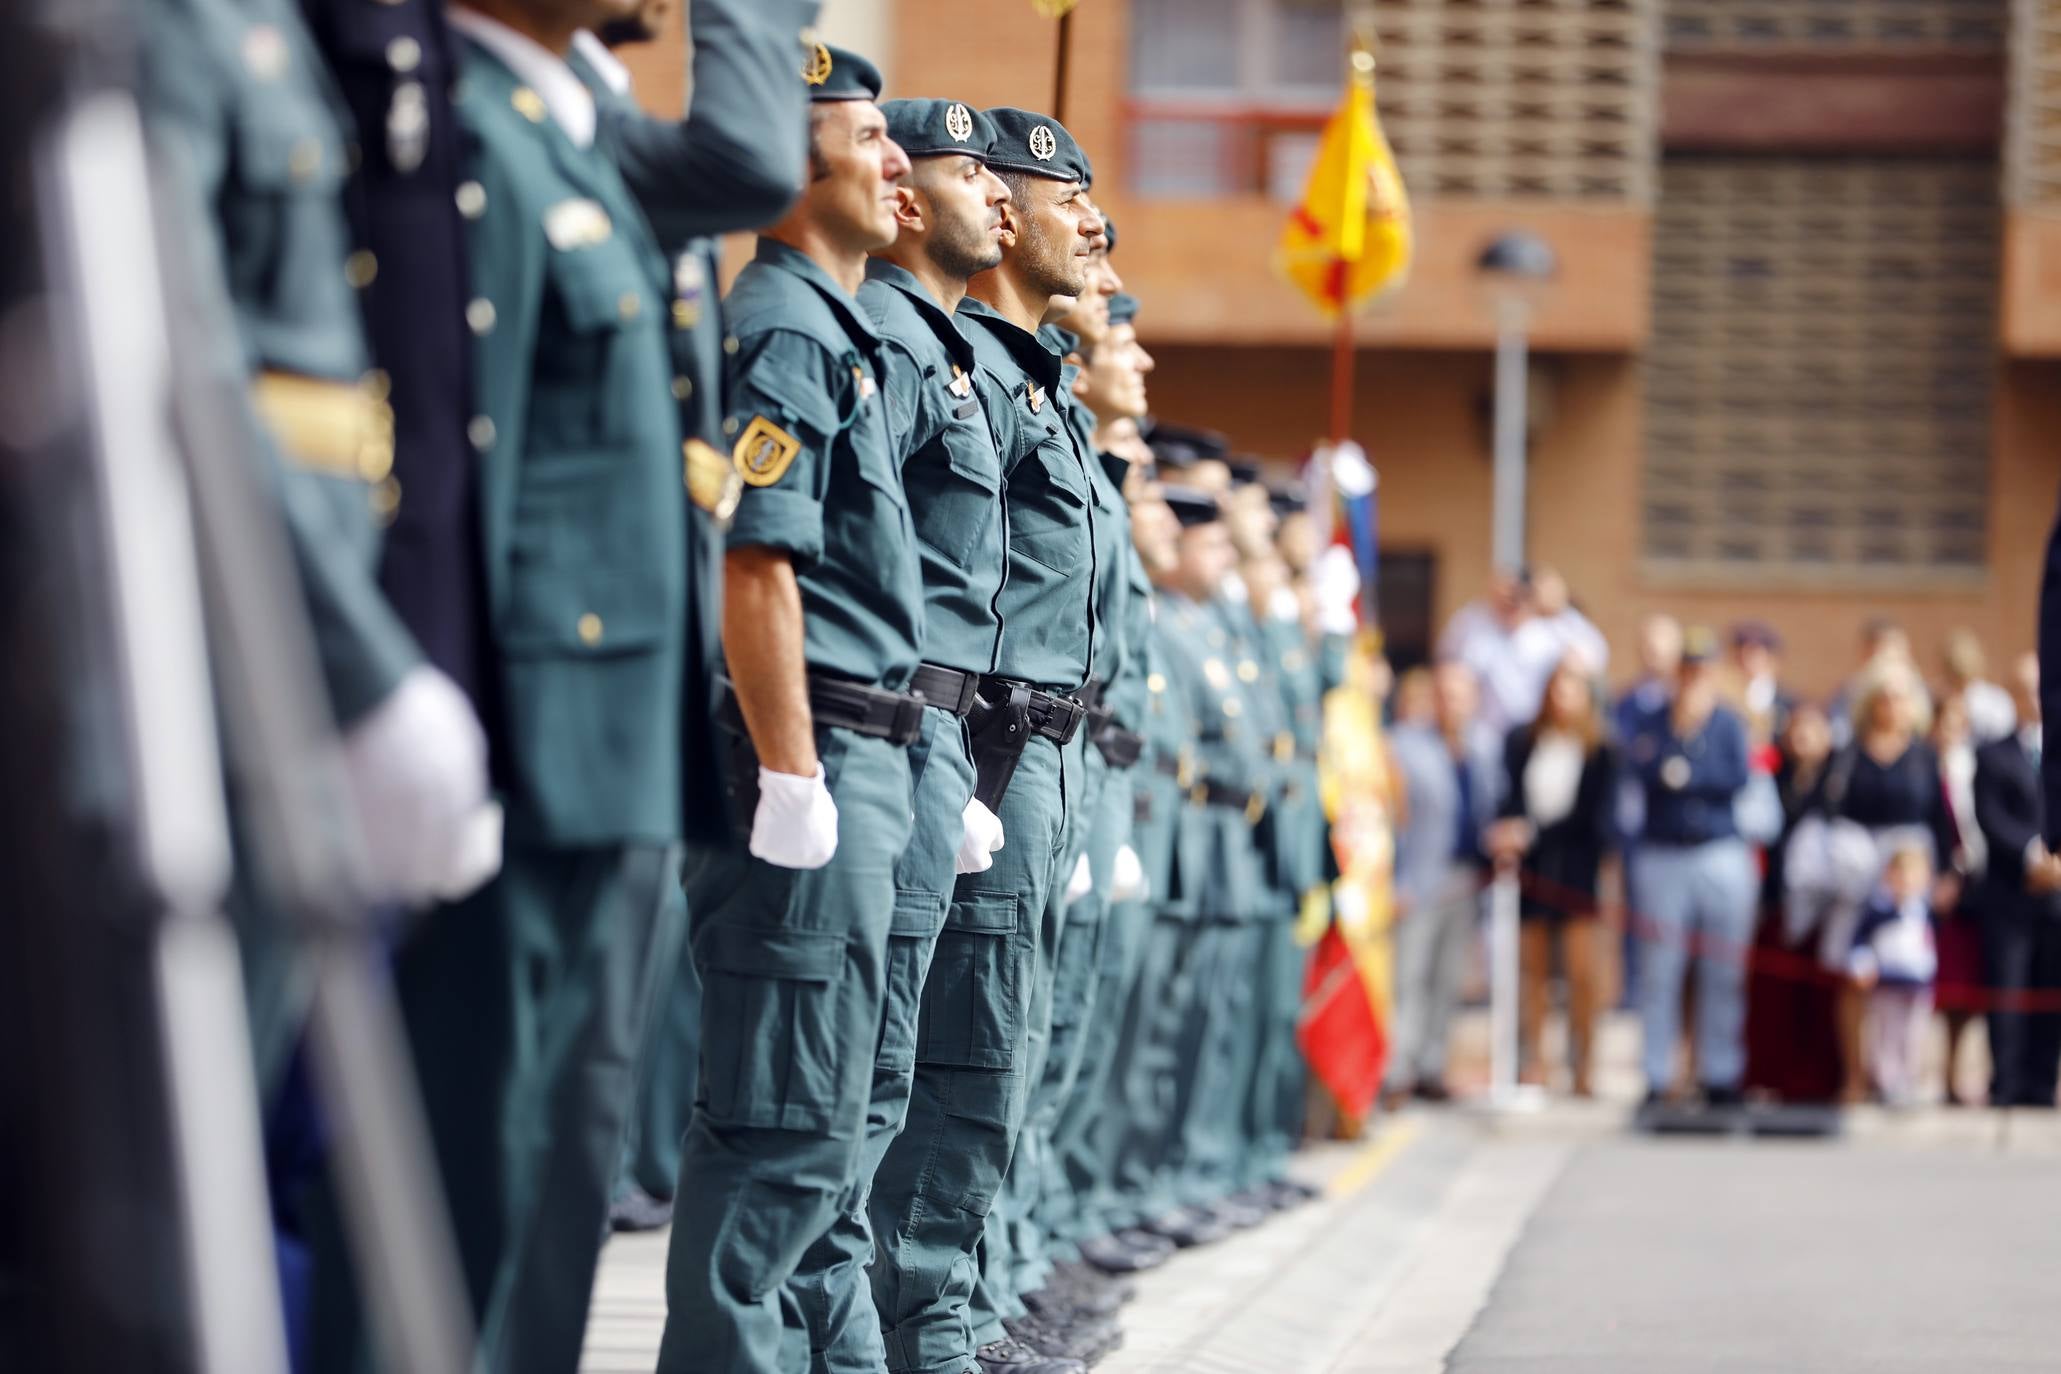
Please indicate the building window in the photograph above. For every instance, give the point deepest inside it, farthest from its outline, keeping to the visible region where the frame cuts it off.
(1483, 98)
(1847, 26)
(1818, 385)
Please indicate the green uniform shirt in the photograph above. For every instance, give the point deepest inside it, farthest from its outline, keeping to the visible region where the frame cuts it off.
(810, 438)
(584, 521)
(235, 93)
(939, 400)
(1048, 608)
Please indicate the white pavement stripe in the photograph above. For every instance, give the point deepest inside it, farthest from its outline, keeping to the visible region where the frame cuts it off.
(1425, 1316)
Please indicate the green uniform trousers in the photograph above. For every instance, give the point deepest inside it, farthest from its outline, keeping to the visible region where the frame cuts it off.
(524, 1006)
(1217, 1050)
(1077, 1011)
(793, 967)
(995, 1296)
(667, 1064)
(1149, 1066)
(832, 1292)
(1092, 1120)
(935, 1187)
(1274, 1103)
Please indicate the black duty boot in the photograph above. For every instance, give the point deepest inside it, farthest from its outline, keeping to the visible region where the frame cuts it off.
(1127, 1252)
(1011, 1356)
(1093, 1291)
(1087, 1339)
(1187, 1226)
(636, 1210)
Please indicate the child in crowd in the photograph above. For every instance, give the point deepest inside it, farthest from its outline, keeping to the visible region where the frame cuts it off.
(1895, 960)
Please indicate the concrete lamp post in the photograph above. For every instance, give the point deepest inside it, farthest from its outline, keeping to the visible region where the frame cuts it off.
(1513, 268)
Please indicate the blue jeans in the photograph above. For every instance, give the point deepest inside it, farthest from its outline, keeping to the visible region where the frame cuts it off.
(1697, 901)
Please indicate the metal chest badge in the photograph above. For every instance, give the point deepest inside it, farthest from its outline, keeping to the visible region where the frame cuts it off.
(690, 286)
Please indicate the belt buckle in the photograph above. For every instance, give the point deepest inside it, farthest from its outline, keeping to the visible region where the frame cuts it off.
(1255, 806)
(1184, 778)
(1284, 747)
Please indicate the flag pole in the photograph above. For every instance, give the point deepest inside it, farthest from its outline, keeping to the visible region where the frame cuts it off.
(1059, 66)
(1342, 359)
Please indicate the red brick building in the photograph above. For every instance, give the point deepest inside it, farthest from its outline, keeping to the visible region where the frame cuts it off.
(1803, 357)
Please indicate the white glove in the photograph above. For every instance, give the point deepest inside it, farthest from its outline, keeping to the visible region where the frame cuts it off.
(796, 823)
(982, 838)
(1081, 883)
(477, 857)
(417, 765)
(1128, 882)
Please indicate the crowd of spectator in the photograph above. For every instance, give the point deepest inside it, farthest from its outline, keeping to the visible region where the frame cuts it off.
(1786, 890)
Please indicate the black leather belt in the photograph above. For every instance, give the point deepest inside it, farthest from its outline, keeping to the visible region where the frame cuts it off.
(896, 717)
(1210, 792)
(1120, 748)
(1180, 767)
(1056, 718)
(948, 689)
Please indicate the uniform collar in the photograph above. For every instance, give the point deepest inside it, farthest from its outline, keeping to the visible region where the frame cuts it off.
(940, 320)
(606, 64)
(565, 96)
(1031, 353)
(775, 254)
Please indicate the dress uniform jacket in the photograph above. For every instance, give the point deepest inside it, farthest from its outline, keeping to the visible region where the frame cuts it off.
(236, 91)
(584, 523)
(395, 64)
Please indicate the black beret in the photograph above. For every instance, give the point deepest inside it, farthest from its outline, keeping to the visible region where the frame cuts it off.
(1191, 507)
(1123, 308)
(939, 128)
(1288, 497)
(1245, 471)
(840, 74)
(1033, 143)
(1207, 443)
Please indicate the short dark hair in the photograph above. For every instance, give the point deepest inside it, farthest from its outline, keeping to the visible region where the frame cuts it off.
(818, 167)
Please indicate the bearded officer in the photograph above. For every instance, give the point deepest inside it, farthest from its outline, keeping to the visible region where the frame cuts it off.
(822, 623)
(943, 410)
(974, 1052)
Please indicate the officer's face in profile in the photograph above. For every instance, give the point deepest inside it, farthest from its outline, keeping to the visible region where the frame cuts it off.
(956, 203)
(1112, 385)
(855, 168)
(1206, 558)
(1155, 530)
(1051, 230)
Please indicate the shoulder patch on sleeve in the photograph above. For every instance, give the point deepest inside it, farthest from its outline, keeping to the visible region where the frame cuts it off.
(764, 452)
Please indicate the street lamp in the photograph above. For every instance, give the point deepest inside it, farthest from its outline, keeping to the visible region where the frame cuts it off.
(1513, 267)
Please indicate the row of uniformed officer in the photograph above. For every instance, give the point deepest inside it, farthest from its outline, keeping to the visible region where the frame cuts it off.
(513, 250)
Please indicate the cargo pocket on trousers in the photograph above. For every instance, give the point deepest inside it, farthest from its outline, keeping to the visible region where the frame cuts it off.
(770, 1044)
(973, 998)
(910, 939)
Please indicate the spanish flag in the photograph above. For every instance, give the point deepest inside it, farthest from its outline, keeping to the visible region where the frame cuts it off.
(1350, 240)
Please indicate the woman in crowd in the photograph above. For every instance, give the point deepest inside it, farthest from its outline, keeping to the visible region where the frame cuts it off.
(1791, 1023)
(1960, 982)
(1559, 791)
(1886, 782)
